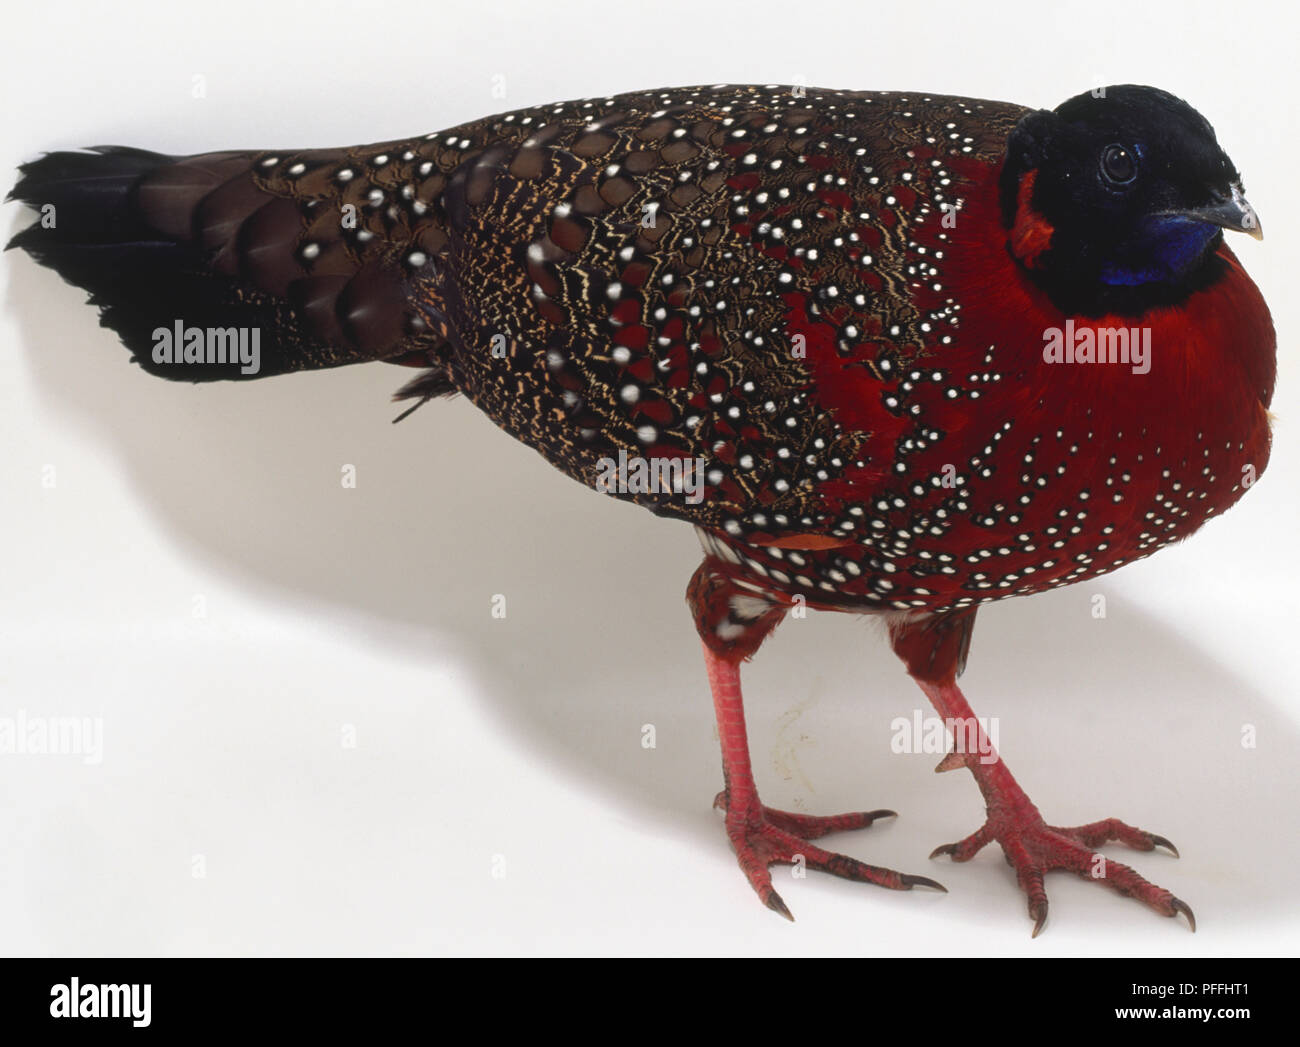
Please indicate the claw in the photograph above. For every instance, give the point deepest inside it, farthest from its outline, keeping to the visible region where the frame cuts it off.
(1160, 841)
(943, 848)
(775, 903)
(884, 812)
(1039, 913)
(1180, 906)
(921, 881)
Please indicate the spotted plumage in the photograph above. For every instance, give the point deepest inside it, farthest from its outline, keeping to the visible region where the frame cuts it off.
(830, 306)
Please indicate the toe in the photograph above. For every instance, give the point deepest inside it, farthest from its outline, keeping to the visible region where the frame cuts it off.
(813, 826)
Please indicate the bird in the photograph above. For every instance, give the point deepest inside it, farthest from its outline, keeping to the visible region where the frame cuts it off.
(888, 353)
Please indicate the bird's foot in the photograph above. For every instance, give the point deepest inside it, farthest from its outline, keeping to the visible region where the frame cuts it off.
(1033, 848)
(763, 836)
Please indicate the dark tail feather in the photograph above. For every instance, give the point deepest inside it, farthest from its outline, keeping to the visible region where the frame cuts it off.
(167, 246)
(423, 388)
(89, 192)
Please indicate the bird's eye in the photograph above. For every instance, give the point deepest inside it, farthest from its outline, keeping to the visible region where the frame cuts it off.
(1118, 164)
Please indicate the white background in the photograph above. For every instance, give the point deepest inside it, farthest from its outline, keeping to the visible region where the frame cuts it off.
(521, 738)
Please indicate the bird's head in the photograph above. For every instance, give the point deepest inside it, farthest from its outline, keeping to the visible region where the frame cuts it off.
(1117, 200)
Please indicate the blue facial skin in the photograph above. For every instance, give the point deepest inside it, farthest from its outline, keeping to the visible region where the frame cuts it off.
(1168, 247)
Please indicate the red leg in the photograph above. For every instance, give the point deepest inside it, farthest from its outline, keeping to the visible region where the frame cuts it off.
(934, 649)
(733, 621)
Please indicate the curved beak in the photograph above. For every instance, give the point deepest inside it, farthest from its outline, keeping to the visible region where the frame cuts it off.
(1230, 212)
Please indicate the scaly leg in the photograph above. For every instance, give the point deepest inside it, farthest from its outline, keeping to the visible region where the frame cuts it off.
(733, 621)
(934, 650)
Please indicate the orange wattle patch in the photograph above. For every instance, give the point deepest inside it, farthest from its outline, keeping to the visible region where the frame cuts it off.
(1031, 233)
(805, 542)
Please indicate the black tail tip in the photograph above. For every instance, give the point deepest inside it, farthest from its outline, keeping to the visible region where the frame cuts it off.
(83, 197)
(54, 172)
